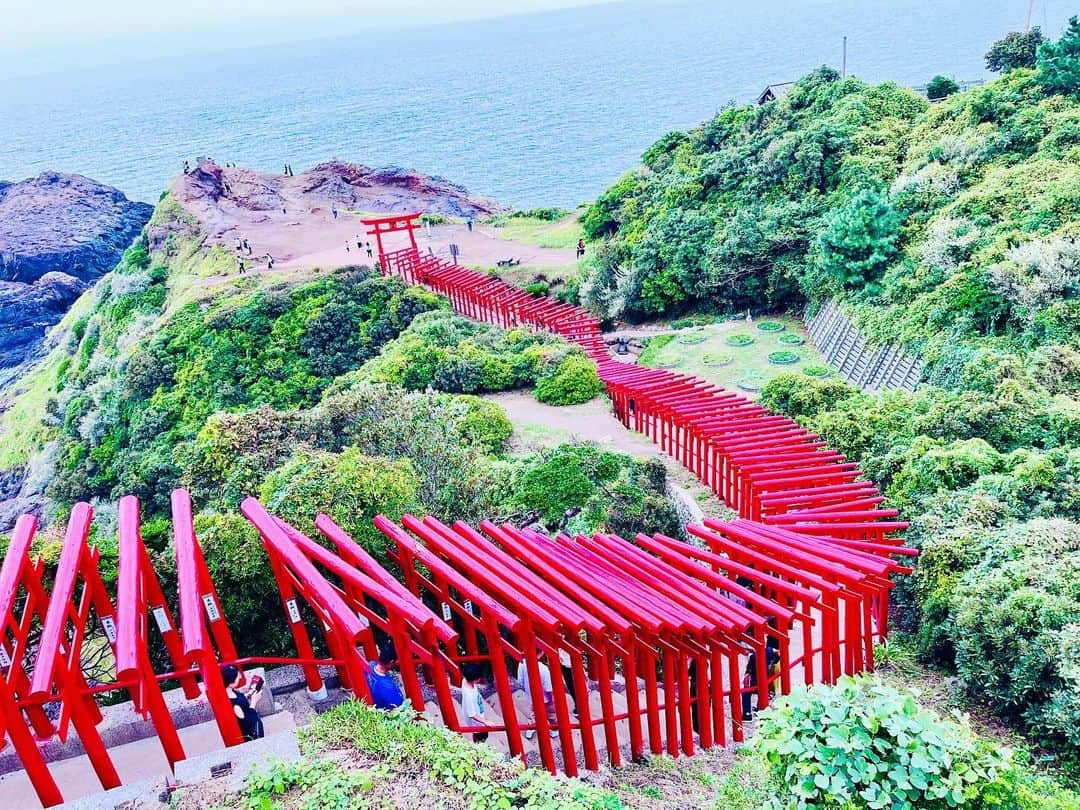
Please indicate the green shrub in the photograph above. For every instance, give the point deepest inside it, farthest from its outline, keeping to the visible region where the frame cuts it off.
(1015, 50)
(816, 370)
(1059, 62)
(350, 487)
(485, 424)
(438, 435)
(859, 240)
(538, 288)
(455, 355)
(771, 326)
(572, 381)
(476, 773)
(799, 398)
(1015, 623)
(862, 744)
(783, 358)
(738, 339)
(608, 491)
(941, 87)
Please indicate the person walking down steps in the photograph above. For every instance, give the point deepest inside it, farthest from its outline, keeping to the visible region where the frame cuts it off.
(543, 692)
(472, 702)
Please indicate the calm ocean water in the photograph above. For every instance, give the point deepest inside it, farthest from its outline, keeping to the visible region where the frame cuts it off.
(533, 110)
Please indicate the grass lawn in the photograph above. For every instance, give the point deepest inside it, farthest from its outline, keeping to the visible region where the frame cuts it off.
(705, 352)
(21, 431)
(522, 275)
(563, 233)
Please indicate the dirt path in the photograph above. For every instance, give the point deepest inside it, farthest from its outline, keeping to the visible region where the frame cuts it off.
(592, 421)
(315, 238)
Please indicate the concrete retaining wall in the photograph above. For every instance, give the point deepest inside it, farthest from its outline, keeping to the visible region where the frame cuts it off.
(871, 368)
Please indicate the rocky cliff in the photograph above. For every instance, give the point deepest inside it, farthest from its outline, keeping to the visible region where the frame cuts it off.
(58, 234)
(228, 200)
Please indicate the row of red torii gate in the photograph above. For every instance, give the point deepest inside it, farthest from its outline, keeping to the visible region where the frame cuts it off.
(653, 634)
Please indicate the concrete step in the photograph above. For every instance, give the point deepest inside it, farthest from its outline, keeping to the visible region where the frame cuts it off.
(142, 766)
(122, 724)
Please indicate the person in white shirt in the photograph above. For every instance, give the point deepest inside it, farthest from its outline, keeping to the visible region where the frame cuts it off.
(545, 690)
(472, 702)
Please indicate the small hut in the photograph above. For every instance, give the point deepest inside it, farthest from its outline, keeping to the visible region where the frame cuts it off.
(773, 92)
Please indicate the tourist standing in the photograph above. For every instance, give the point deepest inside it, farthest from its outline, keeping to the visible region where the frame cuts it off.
(269, 262)
(333, 210)
(468, 224)
(580, 248)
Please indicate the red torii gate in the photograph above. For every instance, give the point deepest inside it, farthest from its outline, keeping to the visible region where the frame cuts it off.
(393, 223)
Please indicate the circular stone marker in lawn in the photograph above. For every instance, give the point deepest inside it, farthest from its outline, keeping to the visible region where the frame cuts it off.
(668, 363)
(692, 339)
(750, 383)
(771, 326)
(783, 358)
(738, 339)
(717, 359)
(790, 339)
(817, 370)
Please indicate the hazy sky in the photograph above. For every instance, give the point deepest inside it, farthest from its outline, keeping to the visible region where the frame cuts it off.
(61, 34)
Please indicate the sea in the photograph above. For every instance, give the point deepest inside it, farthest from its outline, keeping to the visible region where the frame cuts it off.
(531, 110)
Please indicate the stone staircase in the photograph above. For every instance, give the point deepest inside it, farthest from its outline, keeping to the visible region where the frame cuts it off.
(140, 761)
(871, 368)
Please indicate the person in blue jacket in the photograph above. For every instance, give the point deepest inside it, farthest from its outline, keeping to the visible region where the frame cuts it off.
(385, 692)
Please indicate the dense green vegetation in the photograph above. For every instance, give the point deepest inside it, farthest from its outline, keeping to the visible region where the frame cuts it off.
(451, 353)
(388, 755)
(943, 228)
(127, 414)
(863, 744)
(950, 229)
(343, 392)
(988, 478)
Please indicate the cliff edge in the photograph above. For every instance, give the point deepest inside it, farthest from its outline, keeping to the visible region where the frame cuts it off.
(59, 233)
